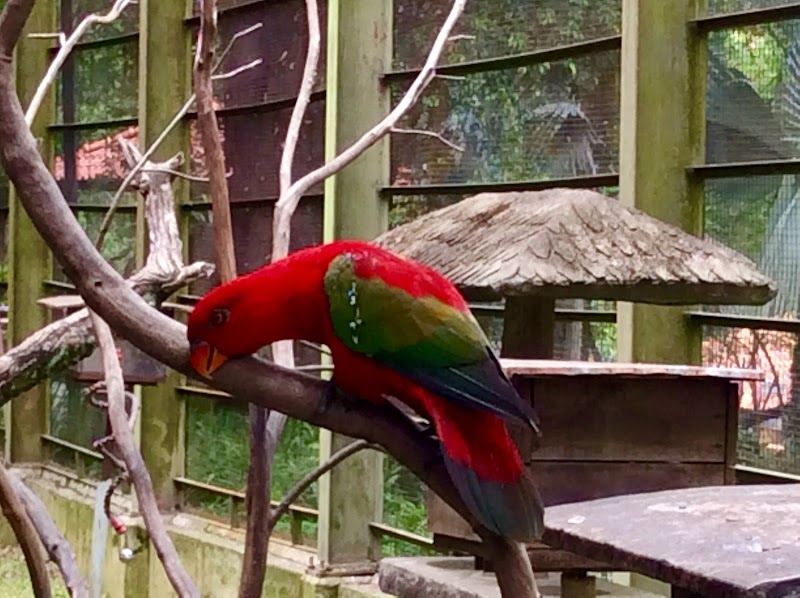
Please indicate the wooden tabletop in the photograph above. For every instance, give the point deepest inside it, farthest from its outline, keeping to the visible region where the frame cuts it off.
(553, 367)
(714, 541)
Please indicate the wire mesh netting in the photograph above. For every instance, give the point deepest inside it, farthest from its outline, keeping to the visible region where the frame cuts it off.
(753, 113)
(499, 28)
(253, 144)
(74, 11)
(753, 93)
(90, 166)
(769, 416)
(716, 7)
(277, 34)
(99, 84)
(224, 462)
(252, 226)
(74, 419)
(759, 217)
(544, 121)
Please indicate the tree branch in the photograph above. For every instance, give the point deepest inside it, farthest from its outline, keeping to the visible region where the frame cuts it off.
(123, 437)
(64, 51)
(25, 533)
(212, 144)
(56, 545)
(289, 200)
(68, 340)
(248, 378)
(312, 476)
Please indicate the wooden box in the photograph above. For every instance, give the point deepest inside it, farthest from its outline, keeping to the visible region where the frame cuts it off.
(614, 428)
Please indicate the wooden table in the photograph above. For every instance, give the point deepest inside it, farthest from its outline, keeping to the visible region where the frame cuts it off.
(717, 542)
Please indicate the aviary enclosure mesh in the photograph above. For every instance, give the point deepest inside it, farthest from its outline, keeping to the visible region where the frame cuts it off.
(528, 116)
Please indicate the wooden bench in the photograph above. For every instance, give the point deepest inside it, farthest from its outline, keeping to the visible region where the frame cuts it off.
(611, 429)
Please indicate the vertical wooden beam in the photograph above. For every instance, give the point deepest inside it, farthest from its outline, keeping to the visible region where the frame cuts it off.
(164, 83)
(359, 52)
(662, 131)
(30, 261)
(528, 326)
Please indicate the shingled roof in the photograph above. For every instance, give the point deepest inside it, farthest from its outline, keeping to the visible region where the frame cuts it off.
(575, 243)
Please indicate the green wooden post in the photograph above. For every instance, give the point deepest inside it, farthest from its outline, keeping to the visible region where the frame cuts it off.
(662, 131)
(29, 259)
(359, 52)
(164, 83)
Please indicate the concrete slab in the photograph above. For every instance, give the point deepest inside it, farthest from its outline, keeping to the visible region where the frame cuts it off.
(456, 577)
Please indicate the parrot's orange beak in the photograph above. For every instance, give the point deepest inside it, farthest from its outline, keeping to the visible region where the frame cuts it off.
(205, 359)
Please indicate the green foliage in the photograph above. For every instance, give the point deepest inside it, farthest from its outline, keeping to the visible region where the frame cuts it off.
(15, 581)
(223, 462)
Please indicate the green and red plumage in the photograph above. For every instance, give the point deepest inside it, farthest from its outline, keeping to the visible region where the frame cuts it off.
(398, 329)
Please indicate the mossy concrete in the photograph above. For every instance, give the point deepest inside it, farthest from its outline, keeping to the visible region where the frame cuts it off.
(210, 551)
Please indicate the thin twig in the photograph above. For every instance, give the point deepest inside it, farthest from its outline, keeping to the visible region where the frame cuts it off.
(25, 533)
(238, 70)
(123, 436)
(312, 476)
(303, 98)
(314, 368)
(437, 136)
(64, 51)
(179, 174)
(288, 202)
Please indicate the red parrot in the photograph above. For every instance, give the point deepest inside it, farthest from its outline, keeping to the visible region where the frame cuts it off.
(395, 328)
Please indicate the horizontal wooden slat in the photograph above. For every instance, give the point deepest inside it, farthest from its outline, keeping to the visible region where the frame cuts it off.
(612, 419)
(561, 483)
(552, 367)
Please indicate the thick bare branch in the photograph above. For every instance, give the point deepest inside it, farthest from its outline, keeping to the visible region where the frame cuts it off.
(25, 533)
(12, 22)
(56, 545)
(303, 96)
(123, 437)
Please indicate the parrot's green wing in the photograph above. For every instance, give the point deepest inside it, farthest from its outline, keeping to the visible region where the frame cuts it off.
(436, 345)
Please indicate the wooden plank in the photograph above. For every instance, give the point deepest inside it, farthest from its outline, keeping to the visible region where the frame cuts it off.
(359, 52)
(714, 541)
(29, 259)
(662, 131)
(566, 482)
(553, 367)
(612, 419)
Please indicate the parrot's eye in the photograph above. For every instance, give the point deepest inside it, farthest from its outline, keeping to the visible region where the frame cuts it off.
(219, 317)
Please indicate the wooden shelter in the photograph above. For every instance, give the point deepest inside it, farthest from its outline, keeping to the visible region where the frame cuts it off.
(531, 248)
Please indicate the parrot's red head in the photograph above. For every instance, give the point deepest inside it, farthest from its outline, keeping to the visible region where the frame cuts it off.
(283, 300)
(221, 326)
